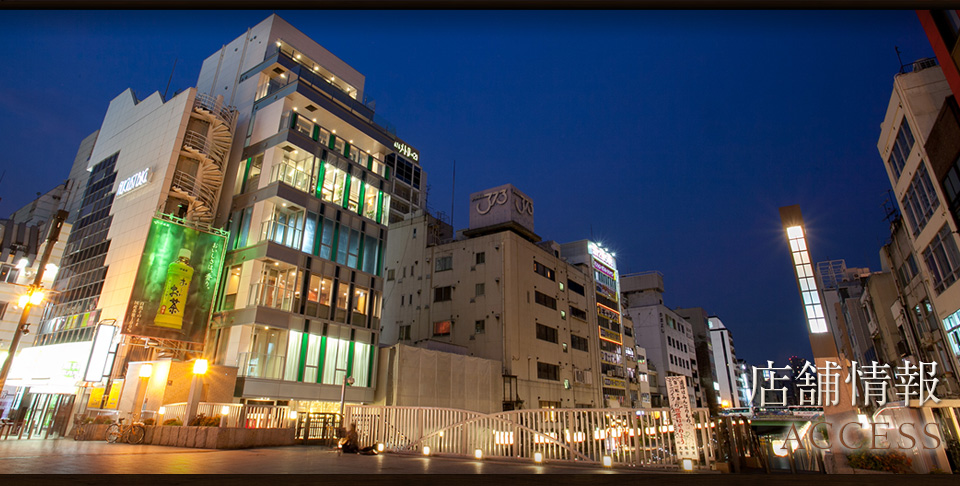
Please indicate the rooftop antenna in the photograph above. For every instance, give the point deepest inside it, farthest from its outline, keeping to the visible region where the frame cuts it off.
(169, 80)
(896, 48)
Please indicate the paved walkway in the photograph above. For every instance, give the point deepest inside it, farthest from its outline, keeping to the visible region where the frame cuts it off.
(65, 456)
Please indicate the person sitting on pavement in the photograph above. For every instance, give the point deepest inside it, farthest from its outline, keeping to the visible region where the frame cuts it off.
(350, 444)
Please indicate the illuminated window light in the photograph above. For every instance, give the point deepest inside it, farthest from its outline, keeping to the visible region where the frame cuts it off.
(794, 232)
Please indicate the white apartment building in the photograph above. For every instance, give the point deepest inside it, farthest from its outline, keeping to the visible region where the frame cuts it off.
(725, 360)
(920, 191)
(667, 337)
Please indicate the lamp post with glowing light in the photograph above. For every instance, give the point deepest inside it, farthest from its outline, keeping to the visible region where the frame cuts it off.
(196, 389)
(34, 295)
(146, 370)
(347, 380)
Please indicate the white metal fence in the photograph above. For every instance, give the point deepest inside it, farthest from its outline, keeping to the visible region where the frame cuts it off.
(627, 437)
(238, 415)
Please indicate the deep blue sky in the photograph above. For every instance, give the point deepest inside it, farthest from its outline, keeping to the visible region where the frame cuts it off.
(673, 137)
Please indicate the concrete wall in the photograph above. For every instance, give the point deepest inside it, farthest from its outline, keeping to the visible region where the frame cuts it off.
(418, 377)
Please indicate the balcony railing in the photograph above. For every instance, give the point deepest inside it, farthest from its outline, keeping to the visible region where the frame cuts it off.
(291, 175)
(281, 233)
(273, 296)
(259, 365)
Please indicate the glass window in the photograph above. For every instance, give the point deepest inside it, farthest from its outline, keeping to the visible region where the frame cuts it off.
(342, 245)
(313, 359)
(444, 263)
(370, 193)
(481, 258)
(334, 182)
(353, 203)
(360, 300)
(442, 328)
(293, 356)
(361, 363)
(353, 250)
(309, 233)
(441, 294)
(326, 291)
(342, 295)
(480, 289)
(326, 239)
(313, 291)
(369, 254)
(480, 326)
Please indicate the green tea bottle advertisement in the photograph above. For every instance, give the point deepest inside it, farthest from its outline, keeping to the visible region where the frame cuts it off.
(175, 292)
(172, 296)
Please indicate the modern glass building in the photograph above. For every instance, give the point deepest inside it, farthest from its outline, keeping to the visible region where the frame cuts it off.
(318, 179)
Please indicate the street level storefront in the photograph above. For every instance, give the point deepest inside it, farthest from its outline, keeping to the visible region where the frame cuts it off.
(45, 380)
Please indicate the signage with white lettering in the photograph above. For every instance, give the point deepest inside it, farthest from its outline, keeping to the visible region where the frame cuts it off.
(601, 254)
(406, 151)
(133, 182)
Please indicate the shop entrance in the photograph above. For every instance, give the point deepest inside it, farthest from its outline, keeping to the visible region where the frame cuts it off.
(42, 415)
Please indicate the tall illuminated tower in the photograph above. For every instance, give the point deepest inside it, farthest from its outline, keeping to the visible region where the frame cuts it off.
(821, 340)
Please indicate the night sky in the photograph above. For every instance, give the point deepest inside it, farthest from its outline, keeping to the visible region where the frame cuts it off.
(671, 137)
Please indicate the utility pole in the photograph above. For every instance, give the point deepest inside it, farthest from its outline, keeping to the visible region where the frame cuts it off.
(22, 329)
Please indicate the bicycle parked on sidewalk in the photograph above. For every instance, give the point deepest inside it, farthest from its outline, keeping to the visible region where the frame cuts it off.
(79, 426)
(131, 434)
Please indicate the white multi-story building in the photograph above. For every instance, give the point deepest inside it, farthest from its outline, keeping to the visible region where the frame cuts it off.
(667, 337)
(927, 194)
(725, 361)
(312, 184)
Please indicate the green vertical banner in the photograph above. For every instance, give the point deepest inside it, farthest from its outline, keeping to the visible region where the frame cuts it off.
(316, 133)
(176, 283)
(333, 142)
(369, 162)
(346, 149)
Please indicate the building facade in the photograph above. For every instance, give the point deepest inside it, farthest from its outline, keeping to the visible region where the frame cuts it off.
(923, 189)
(725, 362)
(313, 183)
(497, 292)
(666, 336)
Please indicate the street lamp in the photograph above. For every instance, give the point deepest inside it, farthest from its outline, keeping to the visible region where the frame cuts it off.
(347, 380)
(196, 389)
(146, 370)
(35, 293)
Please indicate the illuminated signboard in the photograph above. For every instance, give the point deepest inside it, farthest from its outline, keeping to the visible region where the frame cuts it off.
(54, 368)
(608, 381)
(607, 312)
(406, 151)
(601, 254)
(608, 335)
(178, 275)
(99, 356)
(133, 182)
